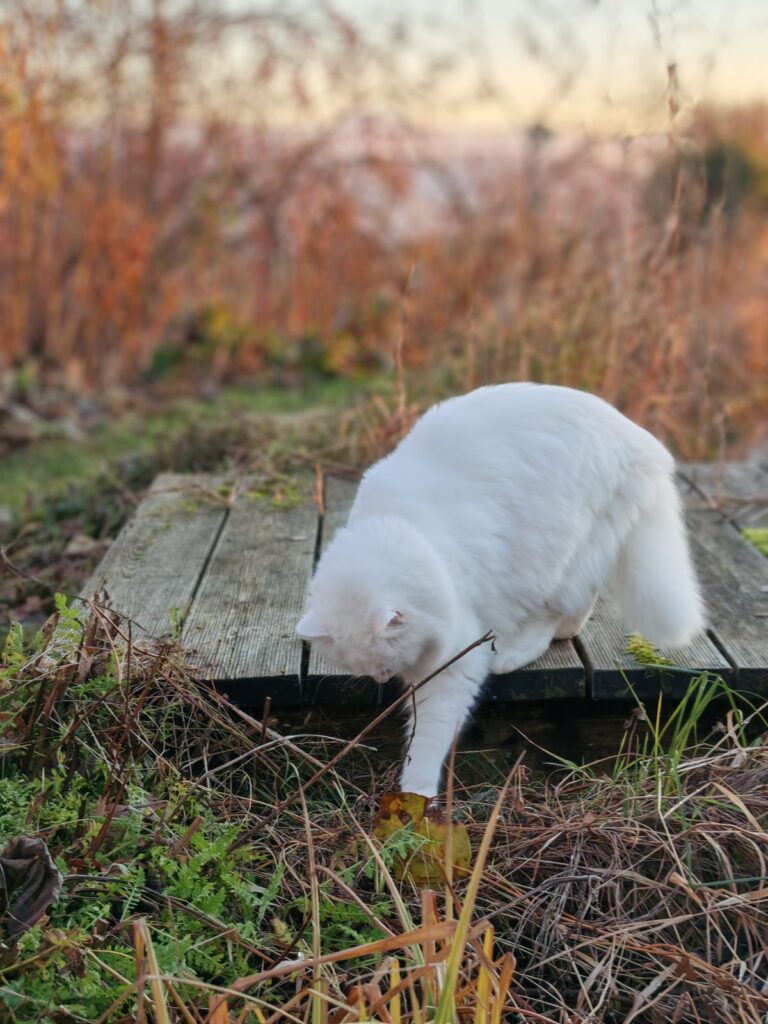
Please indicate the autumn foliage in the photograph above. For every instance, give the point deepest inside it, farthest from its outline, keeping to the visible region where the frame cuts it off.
(186, 189)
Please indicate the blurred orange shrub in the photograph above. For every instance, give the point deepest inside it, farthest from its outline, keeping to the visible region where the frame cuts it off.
(156, 212)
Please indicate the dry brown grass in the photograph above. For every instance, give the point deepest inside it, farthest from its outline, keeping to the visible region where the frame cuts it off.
(630, 891)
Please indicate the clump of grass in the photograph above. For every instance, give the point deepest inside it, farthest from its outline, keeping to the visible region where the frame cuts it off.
(630, 890)
(757, 536)
(642, 650)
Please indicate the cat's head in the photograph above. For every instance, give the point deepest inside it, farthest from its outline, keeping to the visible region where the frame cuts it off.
(368, 608)
(364, 637)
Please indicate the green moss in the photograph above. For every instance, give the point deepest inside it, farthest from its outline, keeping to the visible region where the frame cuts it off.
(48, 468)
(286, 495)
(149, 841)
(644, 652)
(757, 536)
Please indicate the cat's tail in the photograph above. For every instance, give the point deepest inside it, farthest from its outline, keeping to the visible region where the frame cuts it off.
(654, 582)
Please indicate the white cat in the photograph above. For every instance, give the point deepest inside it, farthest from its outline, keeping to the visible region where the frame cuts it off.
(507, 509)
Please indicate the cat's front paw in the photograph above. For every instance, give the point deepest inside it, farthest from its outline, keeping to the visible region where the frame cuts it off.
(421, 782)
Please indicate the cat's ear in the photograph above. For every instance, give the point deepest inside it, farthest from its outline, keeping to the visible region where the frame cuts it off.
(311, 627)
(387, 620)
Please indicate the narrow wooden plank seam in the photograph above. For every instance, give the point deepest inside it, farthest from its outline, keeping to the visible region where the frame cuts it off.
(204, 567)
(587, 663)
(717, 642)
(709, 631)
(306, 648)
(88, 594)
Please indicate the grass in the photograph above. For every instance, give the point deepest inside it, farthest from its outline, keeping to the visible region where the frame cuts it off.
(215, 869)
(757, 536)
(46, 469)
(194, 890)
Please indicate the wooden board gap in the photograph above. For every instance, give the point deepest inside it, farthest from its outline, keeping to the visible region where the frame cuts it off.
(586, 662)
(711, 633)
(320, 521)
(204, 567)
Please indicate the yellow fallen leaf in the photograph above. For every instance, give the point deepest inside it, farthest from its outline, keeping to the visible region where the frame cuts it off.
(425, 866)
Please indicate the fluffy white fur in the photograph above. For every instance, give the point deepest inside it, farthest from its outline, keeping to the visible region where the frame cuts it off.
(507, 509)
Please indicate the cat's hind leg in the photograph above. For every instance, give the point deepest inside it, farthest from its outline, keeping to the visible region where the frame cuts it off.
(571, 625)
(526, 644)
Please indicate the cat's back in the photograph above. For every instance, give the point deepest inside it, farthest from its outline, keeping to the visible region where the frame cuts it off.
(517, 435)
(525, 418)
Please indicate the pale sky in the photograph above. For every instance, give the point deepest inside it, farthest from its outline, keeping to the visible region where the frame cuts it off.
(594, 65)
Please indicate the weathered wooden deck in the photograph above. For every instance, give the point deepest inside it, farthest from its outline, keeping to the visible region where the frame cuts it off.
(205, 559)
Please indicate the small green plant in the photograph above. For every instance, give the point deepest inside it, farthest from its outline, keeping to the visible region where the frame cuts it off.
(757, 536)
(129, 834)
(398, 848)
(654, 745)
(644, 652)
(170, 858)
(177, 622)
(671, 740)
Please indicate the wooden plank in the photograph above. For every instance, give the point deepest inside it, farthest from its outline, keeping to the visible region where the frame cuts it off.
(325, 684)
(240, 629)
(154, 566)
(557, 674)
(236, 577)
(614, 674)
(738, 489)
(732, 574)
(735, 579)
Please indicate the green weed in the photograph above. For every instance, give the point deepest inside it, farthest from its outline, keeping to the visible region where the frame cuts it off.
(758, 537)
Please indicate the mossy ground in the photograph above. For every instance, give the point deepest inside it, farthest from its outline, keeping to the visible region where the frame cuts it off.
(48, 467)
(199, 859)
